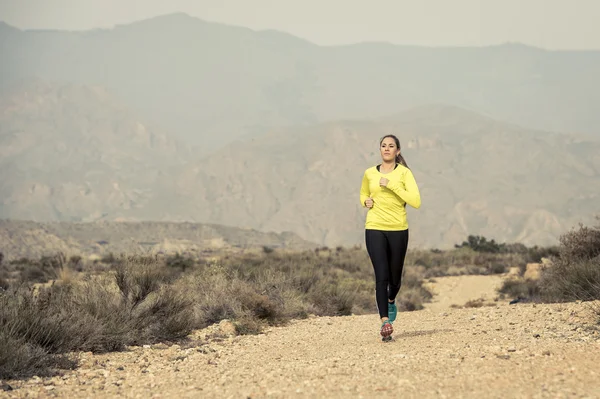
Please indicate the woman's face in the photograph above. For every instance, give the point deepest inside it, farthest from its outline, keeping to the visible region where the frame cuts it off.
(389, 150)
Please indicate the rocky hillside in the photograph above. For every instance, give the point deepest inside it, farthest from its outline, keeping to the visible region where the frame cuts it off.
(75, 153)
(476, 175)
(31, 239)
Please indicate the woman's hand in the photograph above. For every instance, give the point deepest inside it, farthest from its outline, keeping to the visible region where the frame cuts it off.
(369, 203)
(383, 182)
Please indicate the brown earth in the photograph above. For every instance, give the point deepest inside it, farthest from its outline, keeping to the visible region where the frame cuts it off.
(458, 290)
(498, 351)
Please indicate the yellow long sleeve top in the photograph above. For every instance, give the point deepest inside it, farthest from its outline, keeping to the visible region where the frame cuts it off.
(389, 203)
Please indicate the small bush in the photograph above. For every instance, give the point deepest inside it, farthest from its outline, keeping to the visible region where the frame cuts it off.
(4, 284)
(537, 254)
(464, 260)
(575, 273)
(410, 299)
(575, 280)
(211, 294)
(43, 270)
(180, 262)
(248, 325)
(260, 306)
(481, 244)
(169, 316)
(32, 335)
(520, 288)
(497, 268)
(474, 303)
(20, 359)
(267, 249)
(581, 244)
(137, 306)
(331, 299)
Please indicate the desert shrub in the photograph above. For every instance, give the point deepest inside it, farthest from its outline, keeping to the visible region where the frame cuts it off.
(158, 308)
(267, 249)
(33, 336)
(168, 316)
(575, 272)
(412, 294)
(481, 244)
(256, 302)
(38, 271)
(572, 271)
(520, 288)
(180, 262)
(246, 324)
(537, 254)
(136, 304)
(138, 277)
(497, 268)
(4, 284)
(275, 287)
(20, 359)
(109, 259)
(477, 256)
(410, 299)
(143, 299)
(43, 270)
(580, 244)
(474, 303)
(331, 299)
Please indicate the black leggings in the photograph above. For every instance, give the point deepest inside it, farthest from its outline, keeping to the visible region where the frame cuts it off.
(387, 250)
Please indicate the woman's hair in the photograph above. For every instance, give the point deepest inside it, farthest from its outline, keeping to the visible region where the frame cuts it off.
(399, 158)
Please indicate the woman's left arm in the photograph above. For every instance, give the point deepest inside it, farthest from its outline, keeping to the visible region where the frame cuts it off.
(410, 194)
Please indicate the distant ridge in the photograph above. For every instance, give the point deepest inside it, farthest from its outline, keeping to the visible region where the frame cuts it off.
(32, 239)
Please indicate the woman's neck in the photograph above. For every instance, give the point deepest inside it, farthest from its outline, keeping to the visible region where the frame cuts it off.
(387, 166)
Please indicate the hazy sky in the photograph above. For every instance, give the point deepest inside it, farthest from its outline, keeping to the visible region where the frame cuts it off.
(552, 24)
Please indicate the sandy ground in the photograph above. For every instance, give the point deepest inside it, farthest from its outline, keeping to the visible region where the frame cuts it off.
(457, 291)
(499, 351)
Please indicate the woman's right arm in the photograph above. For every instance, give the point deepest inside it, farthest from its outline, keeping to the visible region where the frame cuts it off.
(364, 190)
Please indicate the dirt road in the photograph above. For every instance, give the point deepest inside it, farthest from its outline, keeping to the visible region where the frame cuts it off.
(458, 290)
(501, 351)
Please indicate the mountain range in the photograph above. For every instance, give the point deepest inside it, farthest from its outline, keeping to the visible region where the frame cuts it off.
(210, 83)
(72, 153)
(175, 119)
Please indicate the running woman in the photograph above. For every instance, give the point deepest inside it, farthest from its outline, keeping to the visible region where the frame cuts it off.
(386, 189)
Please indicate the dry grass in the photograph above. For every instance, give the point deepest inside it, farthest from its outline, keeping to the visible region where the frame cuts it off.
(275, 287)
(121, 301)
(142, 300)
(134, 305)
(573, 273)
(478, 303)
(467, 261)
(519, 288)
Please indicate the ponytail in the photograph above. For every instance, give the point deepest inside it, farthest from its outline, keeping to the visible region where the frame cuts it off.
(401, 161)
